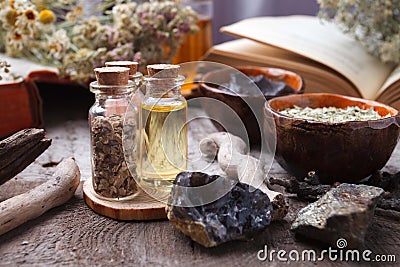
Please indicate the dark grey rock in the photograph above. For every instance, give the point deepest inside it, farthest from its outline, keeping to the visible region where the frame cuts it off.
(236, 215)
(343, 212)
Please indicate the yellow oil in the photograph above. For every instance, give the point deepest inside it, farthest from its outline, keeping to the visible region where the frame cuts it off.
(193, 48)
(164, 142)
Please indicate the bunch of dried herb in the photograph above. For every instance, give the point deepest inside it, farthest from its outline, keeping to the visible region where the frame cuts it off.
(77, 36)
(333, 114)
(111, 176)
(375, 24)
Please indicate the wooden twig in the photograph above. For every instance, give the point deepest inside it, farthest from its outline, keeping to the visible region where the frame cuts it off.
(20, 150)
(55, 192)
(305, 191)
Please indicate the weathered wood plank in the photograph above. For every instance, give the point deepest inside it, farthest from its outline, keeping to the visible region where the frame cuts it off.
(20, 142)
(75, 235)
(20, 150)
(69, 139)
(24, 160)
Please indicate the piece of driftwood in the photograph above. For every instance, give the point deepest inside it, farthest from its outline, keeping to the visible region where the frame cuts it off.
(20, 150)
(55, 192)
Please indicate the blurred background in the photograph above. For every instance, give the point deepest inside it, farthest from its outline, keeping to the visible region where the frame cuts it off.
(222, 13)
(217, 13)
(229, 11)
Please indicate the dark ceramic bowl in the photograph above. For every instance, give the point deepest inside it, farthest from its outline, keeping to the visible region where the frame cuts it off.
(241, 103)
(343, 152)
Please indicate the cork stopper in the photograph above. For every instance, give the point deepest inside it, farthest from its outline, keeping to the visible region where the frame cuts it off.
(163, 70)
(112, 75)
(132, 65)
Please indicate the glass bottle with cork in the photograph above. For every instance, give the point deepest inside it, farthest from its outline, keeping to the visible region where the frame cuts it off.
(194, 46)
(134, 76)
(163, 139)
(111, 177)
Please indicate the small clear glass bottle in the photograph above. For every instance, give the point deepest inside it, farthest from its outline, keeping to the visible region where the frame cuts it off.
(112, 176)
(194, 46)
(134, 76)
(164, 137)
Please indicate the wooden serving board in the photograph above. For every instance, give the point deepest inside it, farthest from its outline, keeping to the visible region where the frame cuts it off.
(142, 207)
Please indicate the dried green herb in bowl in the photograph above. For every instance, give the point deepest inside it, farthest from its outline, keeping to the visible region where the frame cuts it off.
(345, 151)
(333, 114)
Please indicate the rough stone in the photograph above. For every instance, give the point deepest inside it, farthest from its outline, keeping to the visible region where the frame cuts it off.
(343, 212)
(236, 215)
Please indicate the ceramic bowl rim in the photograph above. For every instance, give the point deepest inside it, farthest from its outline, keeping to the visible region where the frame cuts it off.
(276, 113)
(205, 85)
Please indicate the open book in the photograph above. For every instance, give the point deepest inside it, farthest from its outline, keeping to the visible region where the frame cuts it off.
(327, 59)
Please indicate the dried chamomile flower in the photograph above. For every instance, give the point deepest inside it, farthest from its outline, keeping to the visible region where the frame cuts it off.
(375, 24)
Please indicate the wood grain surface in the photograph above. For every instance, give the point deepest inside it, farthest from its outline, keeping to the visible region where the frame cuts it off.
(19, 150)
(141, 207)
(74, 235)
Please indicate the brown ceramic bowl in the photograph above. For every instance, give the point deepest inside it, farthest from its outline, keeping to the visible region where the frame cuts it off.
(241, 103)
(343, 152)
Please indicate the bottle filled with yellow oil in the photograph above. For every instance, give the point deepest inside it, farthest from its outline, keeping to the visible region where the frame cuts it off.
(164, 137)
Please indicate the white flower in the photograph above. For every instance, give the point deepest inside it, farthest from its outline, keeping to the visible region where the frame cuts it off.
(58, 44)
(74, 14)
(26, 21)
(375, 24)
(8, 17)
(14, 41)
(350, 2)
(124, 9)
(22, 5)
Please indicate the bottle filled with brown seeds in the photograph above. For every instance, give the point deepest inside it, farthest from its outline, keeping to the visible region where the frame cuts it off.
(110, 126)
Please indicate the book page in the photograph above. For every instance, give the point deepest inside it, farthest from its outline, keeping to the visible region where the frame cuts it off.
(257, 51)
(393, 77)
(317, 77)
(320, 41)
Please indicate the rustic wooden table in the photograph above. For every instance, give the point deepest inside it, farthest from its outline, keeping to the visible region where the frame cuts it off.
(74, 235)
